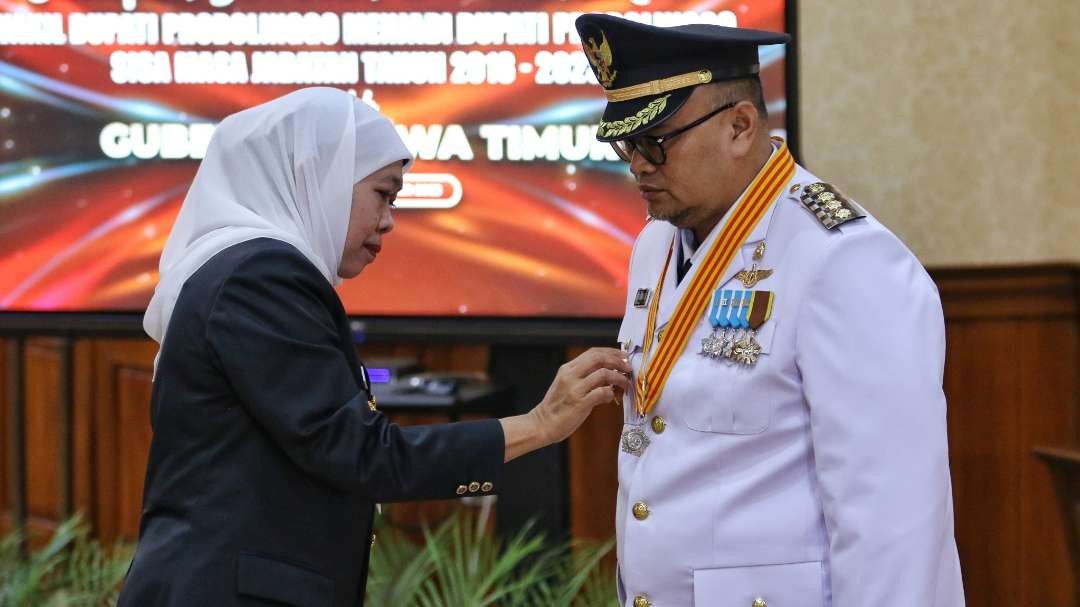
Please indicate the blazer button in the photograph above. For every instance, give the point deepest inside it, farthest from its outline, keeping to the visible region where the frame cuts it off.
(642, 601)
(474, 487)
(759, 602)
(641, 511)
(658, 425)
(486, 487)
(461, 489)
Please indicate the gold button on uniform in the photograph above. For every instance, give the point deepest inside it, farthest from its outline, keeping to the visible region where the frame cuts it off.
(486, 487)
(658, 425)
(759, 602)
(642, 601)
(461, 489)
(474, 487)
(641, 511)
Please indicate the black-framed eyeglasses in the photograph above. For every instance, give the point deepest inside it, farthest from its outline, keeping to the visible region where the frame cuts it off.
(652, 148)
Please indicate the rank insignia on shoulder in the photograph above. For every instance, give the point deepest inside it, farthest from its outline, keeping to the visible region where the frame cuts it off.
(830, 206)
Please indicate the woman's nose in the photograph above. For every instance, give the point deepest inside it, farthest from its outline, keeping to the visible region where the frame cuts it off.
(386, 222)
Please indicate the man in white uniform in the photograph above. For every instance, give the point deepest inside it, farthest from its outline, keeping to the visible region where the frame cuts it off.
(786, 442)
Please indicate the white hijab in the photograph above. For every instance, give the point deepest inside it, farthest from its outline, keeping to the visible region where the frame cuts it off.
(284, 170)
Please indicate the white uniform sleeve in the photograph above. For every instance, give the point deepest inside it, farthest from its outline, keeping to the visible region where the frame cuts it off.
(870, 347)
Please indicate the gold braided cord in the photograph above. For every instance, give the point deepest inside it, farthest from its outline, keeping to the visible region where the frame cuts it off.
(656, 87)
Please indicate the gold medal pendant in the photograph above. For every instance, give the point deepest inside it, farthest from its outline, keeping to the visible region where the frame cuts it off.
(746, 350)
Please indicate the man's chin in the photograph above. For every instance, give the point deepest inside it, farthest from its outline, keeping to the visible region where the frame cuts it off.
(679, 219)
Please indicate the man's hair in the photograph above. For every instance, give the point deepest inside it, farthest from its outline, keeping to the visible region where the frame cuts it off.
(748, 89)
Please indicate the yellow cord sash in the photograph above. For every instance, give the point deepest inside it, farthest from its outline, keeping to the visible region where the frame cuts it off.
(762, 191)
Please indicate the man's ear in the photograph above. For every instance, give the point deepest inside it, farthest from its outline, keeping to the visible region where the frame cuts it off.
(745, 122)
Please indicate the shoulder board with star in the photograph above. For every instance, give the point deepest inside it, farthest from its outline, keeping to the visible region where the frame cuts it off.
(830, 206)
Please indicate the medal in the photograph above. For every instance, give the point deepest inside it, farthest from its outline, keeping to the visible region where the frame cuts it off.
(746, 350)
(735, 303)
(634, 441)
(758, 309)
(735, 317)
(713, 344)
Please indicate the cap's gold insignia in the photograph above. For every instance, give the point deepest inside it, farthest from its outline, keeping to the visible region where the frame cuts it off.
(601, 59)
(830, 206)
(643, 117)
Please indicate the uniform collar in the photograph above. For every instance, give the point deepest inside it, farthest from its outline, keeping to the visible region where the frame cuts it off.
(689, 244)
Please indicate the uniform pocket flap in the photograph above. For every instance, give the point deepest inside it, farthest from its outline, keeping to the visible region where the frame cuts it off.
(266, 578)
(787, 585)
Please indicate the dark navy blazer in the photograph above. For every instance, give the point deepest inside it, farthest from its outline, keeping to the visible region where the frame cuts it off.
(266, 462)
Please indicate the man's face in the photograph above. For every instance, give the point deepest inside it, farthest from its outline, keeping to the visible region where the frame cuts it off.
(690, 187)
(370, 218)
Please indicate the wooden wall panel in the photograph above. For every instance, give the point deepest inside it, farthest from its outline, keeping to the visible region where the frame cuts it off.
(123, 376)
(1012, 378)
(983, 439)
(43, 431)
(6, 513)
(1049, 360)
(82, 447)
(132, 390)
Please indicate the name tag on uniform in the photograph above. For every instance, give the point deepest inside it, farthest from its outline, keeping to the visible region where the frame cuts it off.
(641, 298)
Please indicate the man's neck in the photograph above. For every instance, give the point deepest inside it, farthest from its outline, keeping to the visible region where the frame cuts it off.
(755, 161)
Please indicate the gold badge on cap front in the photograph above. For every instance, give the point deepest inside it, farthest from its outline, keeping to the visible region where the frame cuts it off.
(601, 58)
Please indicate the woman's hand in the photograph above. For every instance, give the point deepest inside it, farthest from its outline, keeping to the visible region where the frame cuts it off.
(589, 380)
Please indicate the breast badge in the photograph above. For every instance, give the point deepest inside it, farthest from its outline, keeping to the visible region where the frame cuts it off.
(754, 275)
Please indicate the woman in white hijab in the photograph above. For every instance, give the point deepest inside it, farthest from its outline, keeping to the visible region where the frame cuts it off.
(267, 459)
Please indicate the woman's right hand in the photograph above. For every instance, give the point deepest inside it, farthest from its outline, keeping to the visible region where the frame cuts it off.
(590, 379)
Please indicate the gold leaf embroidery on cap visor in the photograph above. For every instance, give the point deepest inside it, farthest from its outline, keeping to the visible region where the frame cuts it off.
(643, 117)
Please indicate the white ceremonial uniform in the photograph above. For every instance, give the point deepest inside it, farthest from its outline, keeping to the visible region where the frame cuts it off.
(818, 476)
